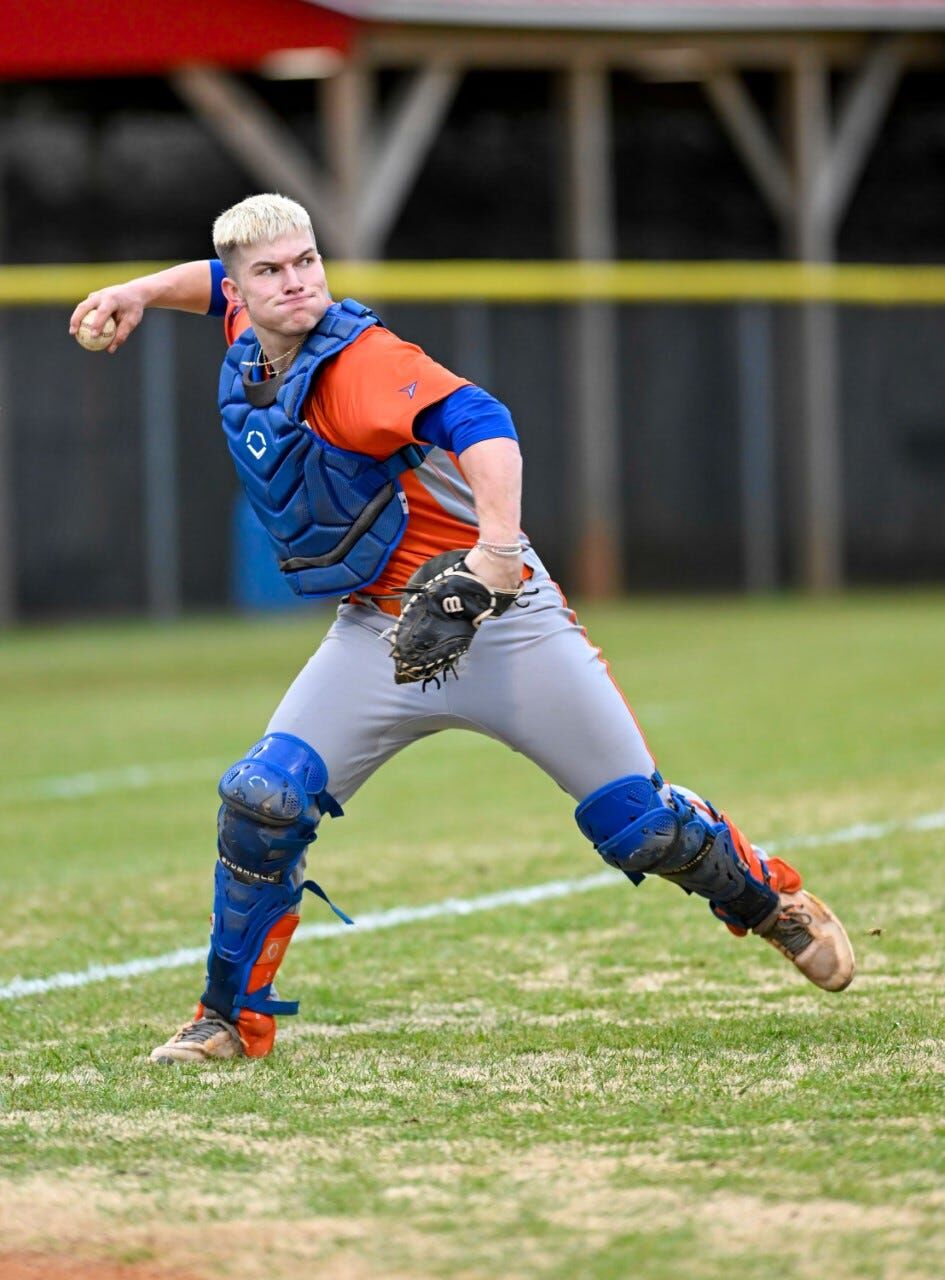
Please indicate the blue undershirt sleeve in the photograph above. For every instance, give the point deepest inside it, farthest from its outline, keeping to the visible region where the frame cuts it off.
(217, 300)
(462, 418)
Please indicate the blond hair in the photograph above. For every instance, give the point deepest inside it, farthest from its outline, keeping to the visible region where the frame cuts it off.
(257, 220)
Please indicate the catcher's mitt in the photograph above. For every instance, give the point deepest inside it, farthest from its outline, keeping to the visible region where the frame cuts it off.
(442, 607)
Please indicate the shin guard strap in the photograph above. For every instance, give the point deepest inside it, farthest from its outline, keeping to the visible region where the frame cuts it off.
(319, 892)
(258, 996)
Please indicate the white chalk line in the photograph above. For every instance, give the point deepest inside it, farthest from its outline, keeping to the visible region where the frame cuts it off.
(139, 777)
(372, 921)
(132, 777)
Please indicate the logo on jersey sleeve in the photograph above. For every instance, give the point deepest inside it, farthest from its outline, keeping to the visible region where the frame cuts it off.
(409, 389)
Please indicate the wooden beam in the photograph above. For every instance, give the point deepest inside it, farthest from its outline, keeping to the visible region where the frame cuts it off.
(416, 45)
(252, 132)
(399, 149)
(859, 121)
(752, 138)
(376, 162)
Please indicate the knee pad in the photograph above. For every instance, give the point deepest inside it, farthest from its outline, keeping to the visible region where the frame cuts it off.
(630, 826)
(273, 800)
(639, 830)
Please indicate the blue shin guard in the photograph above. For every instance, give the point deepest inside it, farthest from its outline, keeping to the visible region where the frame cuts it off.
(634, 828)
(273, 800)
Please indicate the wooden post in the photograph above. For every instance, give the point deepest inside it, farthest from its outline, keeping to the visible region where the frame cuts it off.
(820, 548)
(808, 185)
(347, 112)
(159, 455)
(592, 362)
(756, 454)
(7, 511)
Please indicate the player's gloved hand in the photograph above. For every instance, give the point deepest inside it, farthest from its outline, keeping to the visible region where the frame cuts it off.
(442, 608)
(123, 302)
(501, 573)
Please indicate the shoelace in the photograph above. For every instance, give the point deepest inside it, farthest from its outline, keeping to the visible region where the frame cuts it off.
(200, 1030)
(792, 931)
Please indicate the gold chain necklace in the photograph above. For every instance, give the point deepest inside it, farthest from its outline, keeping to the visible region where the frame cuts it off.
(276, 364)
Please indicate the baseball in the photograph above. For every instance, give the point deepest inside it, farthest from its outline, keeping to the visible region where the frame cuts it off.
(85, 338)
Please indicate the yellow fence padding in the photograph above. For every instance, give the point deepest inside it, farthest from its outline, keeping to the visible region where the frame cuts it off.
(549, 282)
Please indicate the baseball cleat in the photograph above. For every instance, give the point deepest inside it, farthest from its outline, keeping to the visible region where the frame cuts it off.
(806, 931)
(200, 1040)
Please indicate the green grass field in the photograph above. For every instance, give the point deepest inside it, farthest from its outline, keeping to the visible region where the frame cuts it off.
(602, 1085)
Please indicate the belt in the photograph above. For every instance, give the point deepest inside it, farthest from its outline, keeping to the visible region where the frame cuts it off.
(386, 604)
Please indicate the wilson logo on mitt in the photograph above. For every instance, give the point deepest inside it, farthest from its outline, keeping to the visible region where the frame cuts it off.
(442, 608)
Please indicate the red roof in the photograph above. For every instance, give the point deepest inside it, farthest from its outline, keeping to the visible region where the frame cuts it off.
(48, 39)
(55, 38)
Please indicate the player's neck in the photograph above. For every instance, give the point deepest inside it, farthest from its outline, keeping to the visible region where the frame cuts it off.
(279, 348)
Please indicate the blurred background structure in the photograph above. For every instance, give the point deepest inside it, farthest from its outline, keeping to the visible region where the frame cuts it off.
(641, 224)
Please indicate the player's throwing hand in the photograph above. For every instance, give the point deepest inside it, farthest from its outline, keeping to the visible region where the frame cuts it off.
(121, 302)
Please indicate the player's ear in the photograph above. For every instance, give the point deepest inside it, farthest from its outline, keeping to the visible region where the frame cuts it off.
(231, 291)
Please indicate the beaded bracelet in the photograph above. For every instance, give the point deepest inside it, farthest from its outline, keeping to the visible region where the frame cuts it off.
(510, 549)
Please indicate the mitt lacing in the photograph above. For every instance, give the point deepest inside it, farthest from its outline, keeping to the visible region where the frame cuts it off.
(448, 670)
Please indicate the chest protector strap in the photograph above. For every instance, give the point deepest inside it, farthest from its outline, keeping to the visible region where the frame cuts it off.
(334, 516)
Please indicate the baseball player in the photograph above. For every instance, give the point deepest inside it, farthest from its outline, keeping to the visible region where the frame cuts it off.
(386, 480)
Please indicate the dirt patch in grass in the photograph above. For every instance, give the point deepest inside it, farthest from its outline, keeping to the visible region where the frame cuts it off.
(36, 1265)
(49, 1266)
(739, 1220)
(99, 1234)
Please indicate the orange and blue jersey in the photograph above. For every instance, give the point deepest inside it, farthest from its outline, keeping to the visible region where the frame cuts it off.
(382, 393)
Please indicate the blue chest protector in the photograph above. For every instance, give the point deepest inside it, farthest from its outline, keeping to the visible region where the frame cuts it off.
(333, 516)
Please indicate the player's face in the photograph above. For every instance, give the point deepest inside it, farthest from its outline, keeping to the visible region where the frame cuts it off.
(283, 285)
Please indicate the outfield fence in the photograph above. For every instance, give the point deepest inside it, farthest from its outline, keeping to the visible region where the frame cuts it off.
(116, 492)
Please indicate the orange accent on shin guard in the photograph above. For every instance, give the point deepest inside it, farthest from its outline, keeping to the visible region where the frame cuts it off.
(271, 952)
(257, 1032)
(780, 875)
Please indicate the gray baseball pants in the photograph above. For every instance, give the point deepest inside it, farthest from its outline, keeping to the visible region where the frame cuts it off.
(531, 680)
